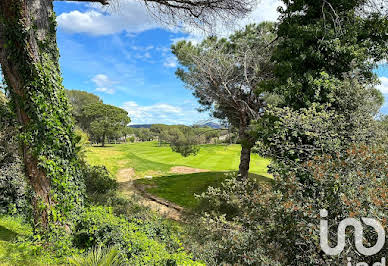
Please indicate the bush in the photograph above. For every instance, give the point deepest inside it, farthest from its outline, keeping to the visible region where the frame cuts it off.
(98, 226)
(98, 180)
(279, 224)
(184, 141)
(98, 257)
(82, 143)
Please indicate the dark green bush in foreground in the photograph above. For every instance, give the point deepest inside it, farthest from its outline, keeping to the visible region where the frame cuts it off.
(99, 226)
(279, 224)
(98, 180)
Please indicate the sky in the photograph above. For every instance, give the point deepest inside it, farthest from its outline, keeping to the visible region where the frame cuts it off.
(123, 55)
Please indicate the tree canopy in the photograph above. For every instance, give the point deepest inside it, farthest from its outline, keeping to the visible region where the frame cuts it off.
(105, 120)
(226, 75)
(324, 41)
(79, 99)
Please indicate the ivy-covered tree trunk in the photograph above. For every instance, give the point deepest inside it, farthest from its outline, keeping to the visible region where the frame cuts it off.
(29, 61)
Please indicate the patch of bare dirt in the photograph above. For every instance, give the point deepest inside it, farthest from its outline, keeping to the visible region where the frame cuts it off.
(164, 210)
(125, 175)
(186, 170)
(125, 179)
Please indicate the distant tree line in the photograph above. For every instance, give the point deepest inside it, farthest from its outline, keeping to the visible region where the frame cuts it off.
(106, 123)
(101, 121)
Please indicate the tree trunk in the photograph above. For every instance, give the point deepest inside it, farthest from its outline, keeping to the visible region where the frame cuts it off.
(29, 61)
(245, 159)
(247, 143)
(103, 140)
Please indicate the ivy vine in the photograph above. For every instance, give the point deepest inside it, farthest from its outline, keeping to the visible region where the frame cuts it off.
(49, 134)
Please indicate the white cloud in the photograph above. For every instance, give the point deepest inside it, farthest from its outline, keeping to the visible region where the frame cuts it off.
(383, 87)
(103, 83)
(105, 90)
(102, 80)
(147, 55)
(163, 113)
(156, 113)
(265, 10)
(131, 16)
(170, 61)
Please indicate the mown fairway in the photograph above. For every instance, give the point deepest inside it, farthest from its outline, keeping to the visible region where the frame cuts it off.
(148, 159)
(148, 156)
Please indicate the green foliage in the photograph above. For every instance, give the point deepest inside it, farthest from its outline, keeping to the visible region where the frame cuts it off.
(223, 73)
(143, 134)
(184, 141)
(82, 143)
(334, 38)
(248, 220)
(17, 246)
(98, 226)
(98, 257)
(105, 120)
(13, 186)
(78, 100)
(98, 180)
(47, 134)
(288, 134)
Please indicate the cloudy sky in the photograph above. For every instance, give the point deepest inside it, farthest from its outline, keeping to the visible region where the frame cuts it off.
(123, 55)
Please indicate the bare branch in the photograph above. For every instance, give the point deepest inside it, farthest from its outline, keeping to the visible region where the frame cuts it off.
(103, 2)
(202, 13)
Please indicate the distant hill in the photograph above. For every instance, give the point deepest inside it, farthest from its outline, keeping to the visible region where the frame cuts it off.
(141, 126)
(212, 125)
(208, 124)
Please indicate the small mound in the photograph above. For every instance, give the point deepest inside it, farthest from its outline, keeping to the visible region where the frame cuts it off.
(186, 170)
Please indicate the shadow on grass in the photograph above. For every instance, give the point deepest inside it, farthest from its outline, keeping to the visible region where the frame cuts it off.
(181, 189)
(6, 234)
(99, 146)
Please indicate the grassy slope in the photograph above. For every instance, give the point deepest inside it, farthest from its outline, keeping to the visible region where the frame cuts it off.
(181, 189)
(147, 156)
(23, 252)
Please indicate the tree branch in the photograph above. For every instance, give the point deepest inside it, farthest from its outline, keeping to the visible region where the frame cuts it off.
(103, 2)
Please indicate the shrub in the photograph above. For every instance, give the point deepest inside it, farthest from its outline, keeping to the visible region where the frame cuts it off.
(184, 141)
(98, 180)
(82, 143)
(279, 223)
(149, 222)
(98, 257)
(98, 226)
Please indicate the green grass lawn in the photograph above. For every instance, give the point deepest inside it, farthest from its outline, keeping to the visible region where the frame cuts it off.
(148, 156)
(26, 252)
(181, 189)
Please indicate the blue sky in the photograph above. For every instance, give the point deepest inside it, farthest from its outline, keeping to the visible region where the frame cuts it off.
(123, 55)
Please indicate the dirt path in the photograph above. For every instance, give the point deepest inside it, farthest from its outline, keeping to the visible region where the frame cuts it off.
(186, 170)
(125, 179)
